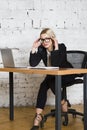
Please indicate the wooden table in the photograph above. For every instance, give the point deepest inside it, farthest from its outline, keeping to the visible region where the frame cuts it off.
(58, 73)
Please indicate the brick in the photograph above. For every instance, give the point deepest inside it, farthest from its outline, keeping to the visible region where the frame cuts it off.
(20, 24)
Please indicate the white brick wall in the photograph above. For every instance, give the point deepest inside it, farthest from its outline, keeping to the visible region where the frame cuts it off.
(20, 24)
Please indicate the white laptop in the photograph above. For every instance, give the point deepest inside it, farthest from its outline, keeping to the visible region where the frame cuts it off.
(7, 58)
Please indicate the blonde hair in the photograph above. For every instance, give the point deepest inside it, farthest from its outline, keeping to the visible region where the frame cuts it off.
(49, 32)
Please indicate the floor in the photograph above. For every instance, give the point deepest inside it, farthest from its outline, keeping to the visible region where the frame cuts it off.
(24, 118)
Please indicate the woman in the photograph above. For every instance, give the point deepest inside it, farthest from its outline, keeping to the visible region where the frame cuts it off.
(47, 49)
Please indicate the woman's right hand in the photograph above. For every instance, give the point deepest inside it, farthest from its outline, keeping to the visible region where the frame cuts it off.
(36, 44)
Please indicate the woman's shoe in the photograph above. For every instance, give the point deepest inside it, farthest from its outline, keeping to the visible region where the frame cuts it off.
(37, 122)
(35, 128)
(64, 106)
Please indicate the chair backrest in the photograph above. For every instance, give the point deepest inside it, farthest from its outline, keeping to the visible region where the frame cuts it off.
(77, 58)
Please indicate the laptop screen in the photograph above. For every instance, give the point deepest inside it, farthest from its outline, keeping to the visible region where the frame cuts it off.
(7, 57)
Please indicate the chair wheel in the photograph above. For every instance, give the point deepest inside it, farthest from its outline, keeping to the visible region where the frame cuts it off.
(53, 112)
(65, 123)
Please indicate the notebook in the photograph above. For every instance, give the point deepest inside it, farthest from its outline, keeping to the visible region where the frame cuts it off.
(7, 58)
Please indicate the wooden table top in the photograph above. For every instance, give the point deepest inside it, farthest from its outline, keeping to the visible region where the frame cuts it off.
(59, 71)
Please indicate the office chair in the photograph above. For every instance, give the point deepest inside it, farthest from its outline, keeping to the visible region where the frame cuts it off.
(78, 59)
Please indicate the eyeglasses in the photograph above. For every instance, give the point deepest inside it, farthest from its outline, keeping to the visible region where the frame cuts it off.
(45, 40)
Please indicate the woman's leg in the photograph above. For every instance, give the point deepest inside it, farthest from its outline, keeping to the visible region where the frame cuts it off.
(42, 94)
(64, 104)
(41, 101)
(38, 116)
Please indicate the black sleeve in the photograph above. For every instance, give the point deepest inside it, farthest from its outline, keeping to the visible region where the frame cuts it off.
(58, 57)
(35, 58)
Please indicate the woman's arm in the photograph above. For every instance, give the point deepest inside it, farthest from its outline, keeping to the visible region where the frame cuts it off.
(35, 56)
(58, 57)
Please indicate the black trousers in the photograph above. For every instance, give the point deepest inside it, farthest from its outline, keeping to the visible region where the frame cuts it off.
(49, 83)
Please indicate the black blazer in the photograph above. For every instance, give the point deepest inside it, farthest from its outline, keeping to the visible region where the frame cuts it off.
(58, 57)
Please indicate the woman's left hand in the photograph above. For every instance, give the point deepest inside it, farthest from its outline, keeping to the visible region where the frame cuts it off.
(55, 43)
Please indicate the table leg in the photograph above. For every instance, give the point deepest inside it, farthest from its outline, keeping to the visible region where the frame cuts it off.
(58, 102)
(11, 96)
(85, 102)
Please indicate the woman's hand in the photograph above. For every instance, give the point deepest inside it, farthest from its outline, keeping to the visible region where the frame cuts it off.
(36, 44)
(55, 43)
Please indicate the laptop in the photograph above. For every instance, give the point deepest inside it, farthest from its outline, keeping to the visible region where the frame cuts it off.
(7, 58)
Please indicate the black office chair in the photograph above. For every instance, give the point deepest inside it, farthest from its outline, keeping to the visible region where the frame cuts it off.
(78, 59)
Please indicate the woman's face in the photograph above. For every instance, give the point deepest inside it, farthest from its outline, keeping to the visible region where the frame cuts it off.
(46, 41)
